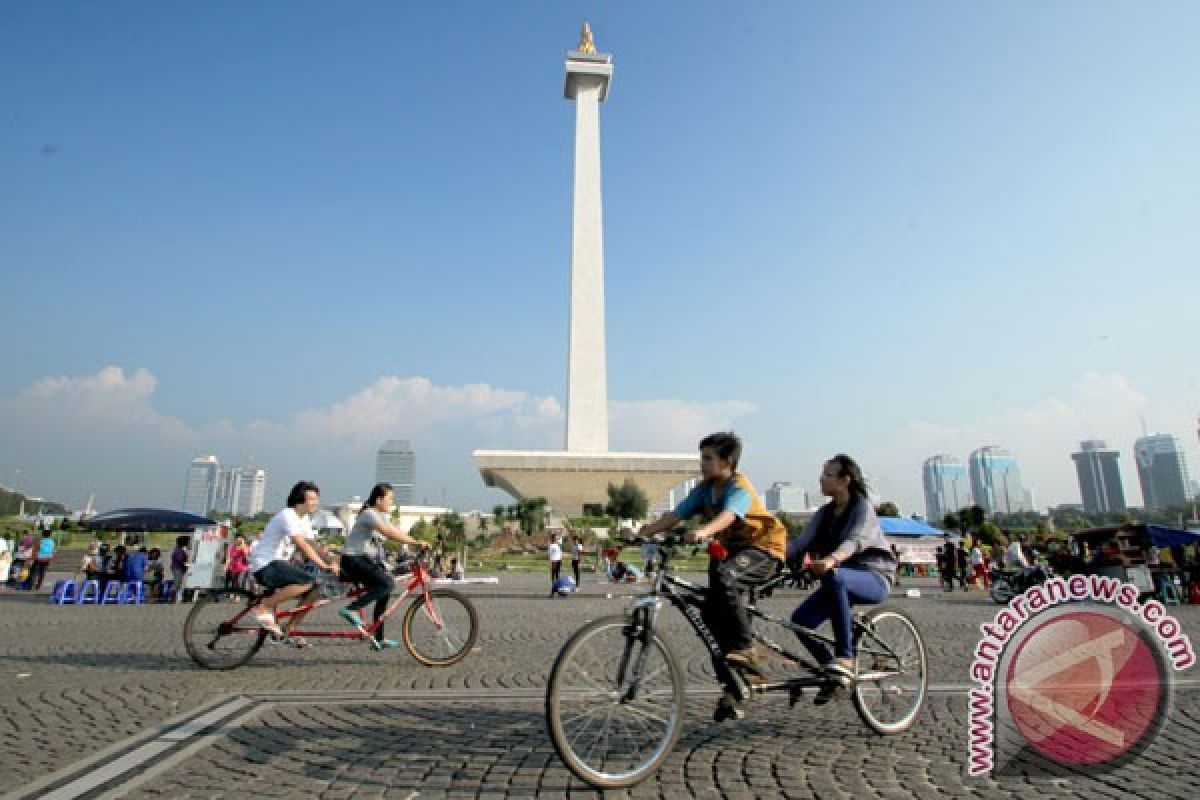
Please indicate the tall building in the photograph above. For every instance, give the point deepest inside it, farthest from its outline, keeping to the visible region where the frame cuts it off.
(1161, 471)
(1099, 477)
(996, 481)
(396, 464)
(200, 491)
(947, 488)
(251, 492)
(229, 481)
(784, 497)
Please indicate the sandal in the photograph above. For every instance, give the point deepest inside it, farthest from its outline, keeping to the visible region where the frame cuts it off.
(384, 644)
(266, 621)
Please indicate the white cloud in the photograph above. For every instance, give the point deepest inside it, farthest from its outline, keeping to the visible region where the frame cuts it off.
(74, 435)
(670, 425)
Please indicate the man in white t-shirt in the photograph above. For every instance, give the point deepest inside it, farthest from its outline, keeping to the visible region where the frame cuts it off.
(270, 560)
(554, 554)
(1015, 555)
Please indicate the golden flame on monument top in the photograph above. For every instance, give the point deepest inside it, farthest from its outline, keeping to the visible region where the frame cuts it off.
(587, 42)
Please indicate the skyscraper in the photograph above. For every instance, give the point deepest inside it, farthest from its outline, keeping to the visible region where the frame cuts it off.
(396, 464)
(1161, 471)
(947, 490)
(200, 491)
(783, 496)
(996, 481)
(229, 481)
(251, 492)
(1099, 477)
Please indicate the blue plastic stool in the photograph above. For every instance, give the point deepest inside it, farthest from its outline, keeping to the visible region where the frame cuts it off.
(112, 593)
(134, 593)
(64, 592)
(89, 593)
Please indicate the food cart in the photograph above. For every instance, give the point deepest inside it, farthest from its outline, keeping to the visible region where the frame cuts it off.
(1148, 556)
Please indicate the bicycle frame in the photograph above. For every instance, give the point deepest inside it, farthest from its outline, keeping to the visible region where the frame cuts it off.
(417, 580)
(689, 598)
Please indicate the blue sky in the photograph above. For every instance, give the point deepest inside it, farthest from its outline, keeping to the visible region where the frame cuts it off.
(286, 231)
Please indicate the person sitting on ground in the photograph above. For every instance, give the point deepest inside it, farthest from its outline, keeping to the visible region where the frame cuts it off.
(853, 561)
(754, 541)
(270, 560)
(364, 557)
(456, 571)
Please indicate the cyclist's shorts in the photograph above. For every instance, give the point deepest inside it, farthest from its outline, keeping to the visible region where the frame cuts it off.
(279, 574)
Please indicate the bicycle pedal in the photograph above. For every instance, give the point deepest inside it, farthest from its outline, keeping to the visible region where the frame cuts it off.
(727, 710)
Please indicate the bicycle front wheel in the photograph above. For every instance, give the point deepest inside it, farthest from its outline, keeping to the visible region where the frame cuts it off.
(893, 676)
(440, 628)
(614, 704)
(219, 633)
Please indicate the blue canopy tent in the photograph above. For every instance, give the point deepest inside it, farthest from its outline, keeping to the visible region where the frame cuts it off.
(147, 519)
(1167, 537)
(902, 526)
(915, 541)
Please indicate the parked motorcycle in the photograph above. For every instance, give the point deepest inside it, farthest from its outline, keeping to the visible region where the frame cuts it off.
(1008, 583)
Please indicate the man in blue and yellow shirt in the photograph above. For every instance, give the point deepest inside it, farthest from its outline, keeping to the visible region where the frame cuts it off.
(756, 542)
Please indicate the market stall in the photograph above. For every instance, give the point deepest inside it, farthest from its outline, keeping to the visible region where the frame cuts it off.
(1154, 558)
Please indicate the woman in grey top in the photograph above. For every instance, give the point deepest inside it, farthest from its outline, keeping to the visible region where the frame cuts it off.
(363, 556)
(853, 561)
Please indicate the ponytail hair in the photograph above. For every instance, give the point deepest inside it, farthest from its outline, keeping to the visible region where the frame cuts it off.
(377, 491)
(848, 468)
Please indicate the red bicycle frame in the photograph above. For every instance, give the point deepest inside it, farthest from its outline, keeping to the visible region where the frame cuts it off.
(417, 580)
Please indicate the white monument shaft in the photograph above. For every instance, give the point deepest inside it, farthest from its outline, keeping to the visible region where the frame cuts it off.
(587, 377)
(580, 475)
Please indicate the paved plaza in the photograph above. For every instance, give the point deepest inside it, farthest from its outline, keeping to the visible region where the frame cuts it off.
(104, 702)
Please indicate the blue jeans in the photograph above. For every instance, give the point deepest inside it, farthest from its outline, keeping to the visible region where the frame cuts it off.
(840, 588)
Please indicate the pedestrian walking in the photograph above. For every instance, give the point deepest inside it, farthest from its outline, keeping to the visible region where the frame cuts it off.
(947, 561)
(554, 554)
(179, 565)
(576, 556)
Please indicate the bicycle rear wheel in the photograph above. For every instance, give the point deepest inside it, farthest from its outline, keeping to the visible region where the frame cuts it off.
(440, 628)
(607, 734)
(219, 633)
(890, 649)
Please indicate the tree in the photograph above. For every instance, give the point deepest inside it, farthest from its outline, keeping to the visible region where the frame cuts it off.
(887, 509)
(452, 525)
(951, 522)
(594, 510)
(531, 514)
(627, 501)
(499, 512)
(972, 518)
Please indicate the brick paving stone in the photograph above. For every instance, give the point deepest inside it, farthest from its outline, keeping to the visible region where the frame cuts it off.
(100, 675)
